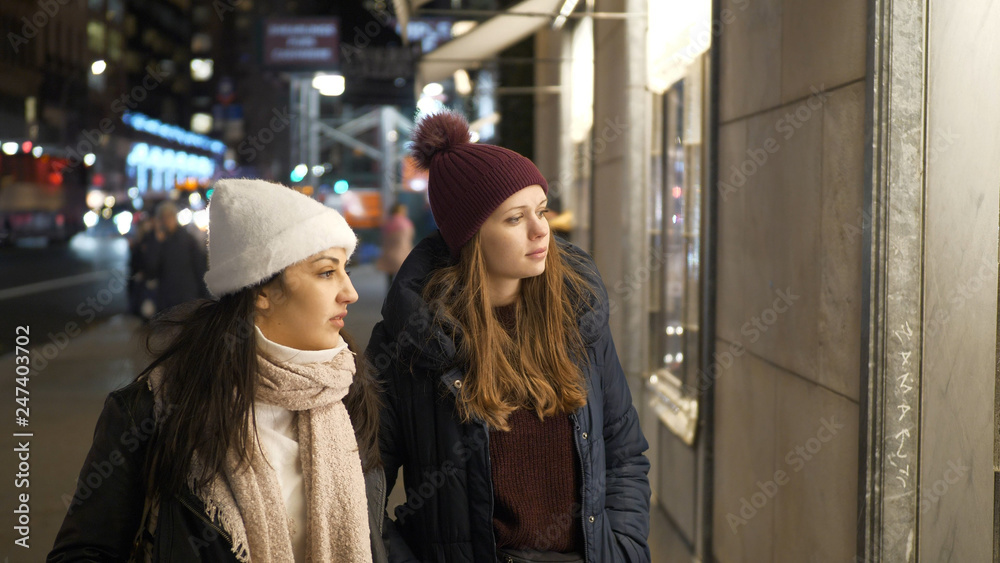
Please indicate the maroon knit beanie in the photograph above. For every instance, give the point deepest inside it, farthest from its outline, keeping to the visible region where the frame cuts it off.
(468, 181)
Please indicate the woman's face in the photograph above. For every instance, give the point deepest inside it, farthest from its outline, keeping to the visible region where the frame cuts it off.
(515, 239)
(306, 311)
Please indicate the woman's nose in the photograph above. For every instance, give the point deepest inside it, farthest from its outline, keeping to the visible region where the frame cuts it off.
(539, 227)
(348, 294)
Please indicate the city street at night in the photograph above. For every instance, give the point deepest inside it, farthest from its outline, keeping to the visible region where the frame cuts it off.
(500, 281)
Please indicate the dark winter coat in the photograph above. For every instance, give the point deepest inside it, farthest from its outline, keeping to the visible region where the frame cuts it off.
(106, 510)
(448, 515)
(180, 269)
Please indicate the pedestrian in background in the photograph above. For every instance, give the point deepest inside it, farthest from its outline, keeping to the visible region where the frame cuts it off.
(181, 263)
(505, 403)
(143, 258)
(251, 436)
(397, 241)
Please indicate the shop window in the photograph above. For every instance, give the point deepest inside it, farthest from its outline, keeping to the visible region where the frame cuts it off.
(675, 233)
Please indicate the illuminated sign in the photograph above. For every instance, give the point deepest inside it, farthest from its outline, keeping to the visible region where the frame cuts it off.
(302, 42)
(157, 169)
(141, 122)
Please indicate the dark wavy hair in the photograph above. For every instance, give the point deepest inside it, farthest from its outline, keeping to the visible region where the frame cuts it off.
(208, 350)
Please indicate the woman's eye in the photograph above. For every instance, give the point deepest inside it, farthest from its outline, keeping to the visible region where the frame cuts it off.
(514, 220)
(328, 273)
(542, 212)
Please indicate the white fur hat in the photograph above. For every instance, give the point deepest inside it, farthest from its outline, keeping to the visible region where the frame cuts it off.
(257, 228)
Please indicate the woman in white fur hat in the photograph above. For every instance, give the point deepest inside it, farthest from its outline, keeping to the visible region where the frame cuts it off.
(252, 435)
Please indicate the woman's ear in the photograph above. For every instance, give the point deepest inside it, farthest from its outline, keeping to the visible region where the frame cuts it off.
(263, 300)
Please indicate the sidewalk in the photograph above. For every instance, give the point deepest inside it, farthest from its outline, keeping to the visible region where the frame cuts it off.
(66, 399)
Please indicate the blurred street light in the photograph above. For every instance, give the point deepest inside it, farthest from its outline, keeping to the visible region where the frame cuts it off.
(202, 69)
(201, 123)
(329, 84)
(98, 67)
(462, 83)
(124, 222)
(95, 199)
(299, 172)
(201, 219)
(433, 89)
(462, 27)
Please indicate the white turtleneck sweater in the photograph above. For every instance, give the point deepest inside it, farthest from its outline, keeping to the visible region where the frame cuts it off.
(279, 437)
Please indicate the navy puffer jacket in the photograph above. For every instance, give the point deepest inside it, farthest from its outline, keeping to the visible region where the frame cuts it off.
(448, 514)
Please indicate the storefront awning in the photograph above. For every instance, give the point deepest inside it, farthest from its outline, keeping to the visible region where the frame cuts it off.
(486, 40)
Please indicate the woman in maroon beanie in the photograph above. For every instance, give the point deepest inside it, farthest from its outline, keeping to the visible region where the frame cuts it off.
(505, 403)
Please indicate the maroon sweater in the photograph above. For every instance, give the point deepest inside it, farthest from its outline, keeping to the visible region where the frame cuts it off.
(536, 478)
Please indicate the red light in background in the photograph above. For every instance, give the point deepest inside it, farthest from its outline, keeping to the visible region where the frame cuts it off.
(677, 191)
(97, 180)
(26, 146)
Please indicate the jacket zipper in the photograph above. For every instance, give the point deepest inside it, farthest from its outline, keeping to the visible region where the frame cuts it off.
(489, 472)
(448, 379)
(205, 519)
(583, 487)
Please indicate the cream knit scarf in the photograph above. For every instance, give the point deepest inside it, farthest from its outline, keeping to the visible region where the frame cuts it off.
(249, 503)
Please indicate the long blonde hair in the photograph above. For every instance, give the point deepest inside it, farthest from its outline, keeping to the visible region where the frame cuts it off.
(539, 368)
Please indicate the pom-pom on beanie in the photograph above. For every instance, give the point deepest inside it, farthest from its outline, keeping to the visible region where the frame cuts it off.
(467, 181)
(256, 229)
